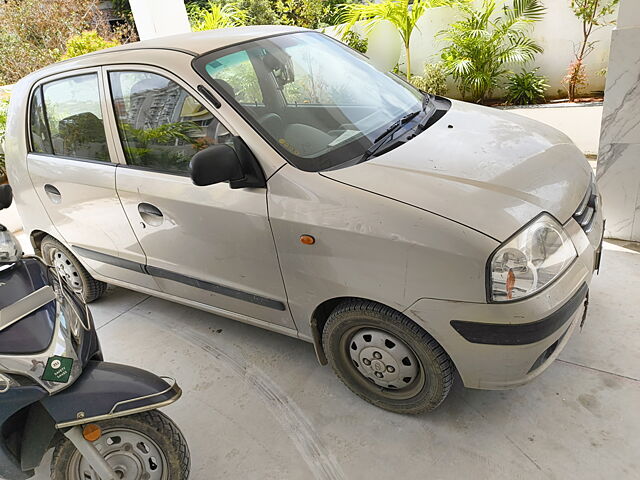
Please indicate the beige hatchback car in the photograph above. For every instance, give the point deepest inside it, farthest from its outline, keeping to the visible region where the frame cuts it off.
(274, 176)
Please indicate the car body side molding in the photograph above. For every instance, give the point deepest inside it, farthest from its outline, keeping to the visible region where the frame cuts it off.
(176, 277)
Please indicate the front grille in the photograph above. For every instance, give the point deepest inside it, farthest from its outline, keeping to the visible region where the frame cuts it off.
(586, 213)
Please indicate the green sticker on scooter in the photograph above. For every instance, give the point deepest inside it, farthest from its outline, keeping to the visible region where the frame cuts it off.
(58, 369)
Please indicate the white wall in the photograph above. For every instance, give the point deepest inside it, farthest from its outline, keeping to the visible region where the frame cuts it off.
(159, 18)
(556, 33)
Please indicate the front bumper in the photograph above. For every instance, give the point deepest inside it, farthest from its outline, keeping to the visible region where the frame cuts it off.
(499, 346)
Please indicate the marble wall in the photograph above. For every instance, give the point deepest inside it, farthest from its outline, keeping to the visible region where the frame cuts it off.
(619, 157)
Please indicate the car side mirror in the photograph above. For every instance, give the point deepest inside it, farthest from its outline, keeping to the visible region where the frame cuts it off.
(225, 163)
(215, 164)
(6, 196)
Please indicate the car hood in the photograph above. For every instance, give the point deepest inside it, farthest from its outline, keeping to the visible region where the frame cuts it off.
(485, 168)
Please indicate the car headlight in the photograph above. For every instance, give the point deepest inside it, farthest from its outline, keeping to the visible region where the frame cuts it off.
(530, 260)
(10, 250)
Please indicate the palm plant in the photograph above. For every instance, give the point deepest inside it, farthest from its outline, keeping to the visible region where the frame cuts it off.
(483, 44)
(403, 14)
(215, 15)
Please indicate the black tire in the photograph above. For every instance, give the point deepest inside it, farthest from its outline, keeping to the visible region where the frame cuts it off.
(153, 424)
(434, 374)
(91, 289)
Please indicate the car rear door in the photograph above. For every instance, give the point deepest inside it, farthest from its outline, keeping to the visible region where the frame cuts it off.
(73, 169)
(211, 245)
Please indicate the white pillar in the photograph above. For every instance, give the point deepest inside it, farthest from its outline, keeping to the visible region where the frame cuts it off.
(619, 157)
(159, 18)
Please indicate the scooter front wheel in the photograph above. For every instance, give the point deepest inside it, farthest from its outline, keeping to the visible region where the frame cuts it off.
(145, 446)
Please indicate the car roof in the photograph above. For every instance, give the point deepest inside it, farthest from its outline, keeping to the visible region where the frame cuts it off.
(193, 43)
(202, 42)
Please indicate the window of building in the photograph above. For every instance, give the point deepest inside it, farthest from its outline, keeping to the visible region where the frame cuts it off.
(161, 126)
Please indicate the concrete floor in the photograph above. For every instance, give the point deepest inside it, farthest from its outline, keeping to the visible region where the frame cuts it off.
(579, 121)
(258, 406)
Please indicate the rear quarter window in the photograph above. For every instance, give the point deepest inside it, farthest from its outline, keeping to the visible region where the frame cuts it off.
(73, 118)
(40, 140)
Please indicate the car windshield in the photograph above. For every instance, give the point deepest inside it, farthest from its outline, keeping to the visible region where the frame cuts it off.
(319, 103)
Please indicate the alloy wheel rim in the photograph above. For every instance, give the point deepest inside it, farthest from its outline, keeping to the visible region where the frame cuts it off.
(67, 271)
(131, 454)
(386, 363)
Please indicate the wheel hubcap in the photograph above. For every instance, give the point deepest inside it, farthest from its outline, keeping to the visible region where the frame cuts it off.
(132, 455)
(383, 359)
(66, 270)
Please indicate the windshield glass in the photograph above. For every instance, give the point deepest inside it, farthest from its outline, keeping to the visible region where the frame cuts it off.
(317, 102)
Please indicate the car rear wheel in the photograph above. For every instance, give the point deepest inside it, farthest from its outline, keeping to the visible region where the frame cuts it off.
(385, 358)
(74, 275)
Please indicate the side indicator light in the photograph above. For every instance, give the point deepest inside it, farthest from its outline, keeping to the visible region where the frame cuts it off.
(307, 239)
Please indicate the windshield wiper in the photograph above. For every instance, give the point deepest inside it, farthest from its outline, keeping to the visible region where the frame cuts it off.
(382, 139)
(429, 109)
(395, 126)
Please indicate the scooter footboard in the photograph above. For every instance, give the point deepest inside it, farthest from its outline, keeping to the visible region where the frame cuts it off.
(108, 390)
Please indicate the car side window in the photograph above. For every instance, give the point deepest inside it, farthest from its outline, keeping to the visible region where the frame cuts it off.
(74, 118)
(161, 126)
(40, 141)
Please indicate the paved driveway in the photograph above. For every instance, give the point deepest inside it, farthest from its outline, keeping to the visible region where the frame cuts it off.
(258, 406)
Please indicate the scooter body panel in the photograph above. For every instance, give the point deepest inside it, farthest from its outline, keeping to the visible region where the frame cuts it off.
(107, 390)
(35, 332)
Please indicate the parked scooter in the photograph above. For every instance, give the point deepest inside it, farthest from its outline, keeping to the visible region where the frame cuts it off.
(56, 391)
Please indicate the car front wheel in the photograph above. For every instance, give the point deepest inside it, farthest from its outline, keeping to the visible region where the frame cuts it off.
(385, 358)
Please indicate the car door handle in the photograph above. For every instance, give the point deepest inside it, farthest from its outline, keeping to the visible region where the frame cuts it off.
(150, 214)
(53, 193)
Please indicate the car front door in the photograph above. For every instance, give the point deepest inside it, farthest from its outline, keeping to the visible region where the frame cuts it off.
(211, 245)
(71, 165)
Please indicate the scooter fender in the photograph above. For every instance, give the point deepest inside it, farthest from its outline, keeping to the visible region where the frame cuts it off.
(109, 390)
(13, 401)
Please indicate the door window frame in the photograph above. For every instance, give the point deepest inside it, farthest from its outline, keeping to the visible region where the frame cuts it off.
(110, 115)
(113, 159)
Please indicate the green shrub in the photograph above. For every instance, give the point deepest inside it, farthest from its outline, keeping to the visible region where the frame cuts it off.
(87, 42)
(216, 15)
(259, 12)
(301, 13)
(33, 33)
(433, 81)
(356, 41)
(485, 42)
(526, 88)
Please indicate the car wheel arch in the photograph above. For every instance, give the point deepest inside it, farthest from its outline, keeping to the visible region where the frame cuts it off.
(36, 238)
(321, 315)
